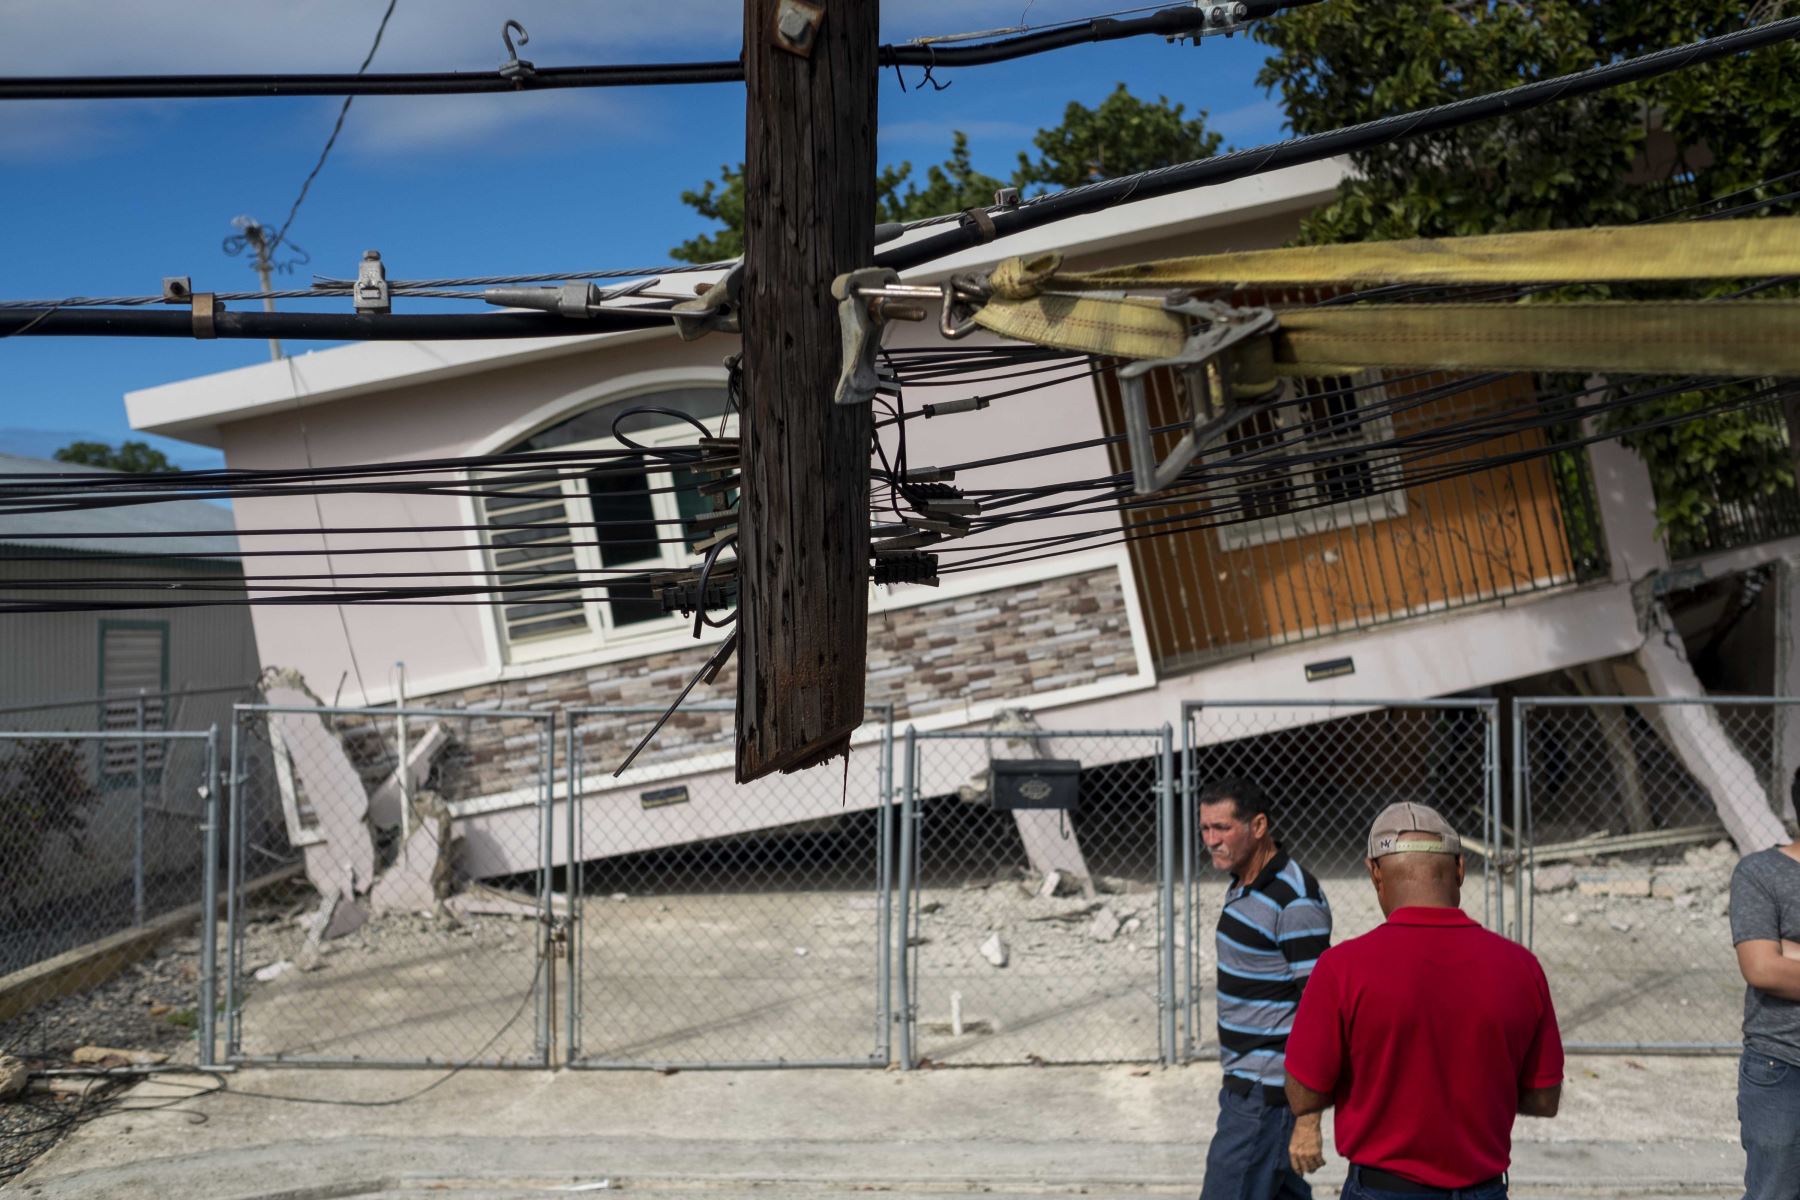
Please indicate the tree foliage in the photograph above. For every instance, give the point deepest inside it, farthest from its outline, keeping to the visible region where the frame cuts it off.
(135, 458)
(1615, 157)
(1120, 135)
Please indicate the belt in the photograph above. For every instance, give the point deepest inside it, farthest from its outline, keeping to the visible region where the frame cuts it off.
(1237, 1085)
(1387, 1181)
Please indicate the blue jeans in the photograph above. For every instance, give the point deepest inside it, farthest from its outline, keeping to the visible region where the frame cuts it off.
(1769, 1121)
(1248, 1158)
(1356, 1189)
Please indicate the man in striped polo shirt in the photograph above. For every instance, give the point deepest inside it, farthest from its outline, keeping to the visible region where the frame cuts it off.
(1273, 925)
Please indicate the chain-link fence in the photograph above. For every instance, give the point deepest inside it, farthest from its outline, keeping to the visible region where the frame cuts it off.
(720, 924)
(1328, 768)
(420, 935)
(1627, 867)
(1035, 868)
(101, 833)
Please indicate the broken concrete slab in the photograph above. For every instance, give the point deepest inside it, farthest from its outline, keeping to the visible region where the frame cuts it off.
(1553, 879)
(1105, 926)
(110, 1056)
(13, 1077)
(384, 805)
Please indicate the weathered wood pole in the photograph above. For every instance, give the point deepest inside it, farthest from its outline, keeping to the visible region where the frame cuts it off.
(803, 542)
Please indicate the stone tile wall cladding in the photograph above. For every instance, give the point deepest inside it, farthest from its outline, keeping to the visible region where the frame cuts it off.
(1044, 636)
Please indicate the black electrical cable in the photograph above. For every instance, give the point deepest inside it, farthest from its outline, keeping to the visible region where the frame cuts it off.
(339, 327)
(1175, 21)
(1238, 164)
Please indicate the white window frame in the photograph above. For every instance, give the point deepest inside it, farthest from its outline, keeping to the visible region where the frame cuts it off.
(1362, 510)
(596, 608)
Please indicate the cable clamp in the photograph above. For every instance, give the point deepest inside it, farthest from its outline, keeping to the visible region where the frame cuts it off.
(1210, 410)
(205, 308)
(979, 219)
(370, 295)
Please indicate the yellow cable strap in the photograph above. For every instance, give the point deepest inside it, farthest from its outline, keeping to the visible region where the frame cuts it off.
(1702, 337)
(1751, 248)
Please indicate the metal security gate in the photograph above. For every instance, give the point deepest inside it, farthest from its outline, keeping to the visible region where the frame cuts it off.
(1328, 768)
(725, 925)
(1625, 892)
(1037, 935)
(422, 933)
(101, 831)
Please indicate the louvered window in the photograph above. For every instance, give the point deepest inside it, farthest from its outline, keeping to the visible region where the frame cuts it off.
(134, 669)
(530, 542)
(616, 528)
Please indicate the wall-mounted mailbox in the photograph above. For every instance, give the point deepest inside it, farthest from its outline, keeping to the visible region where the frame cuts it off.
(1036, 783)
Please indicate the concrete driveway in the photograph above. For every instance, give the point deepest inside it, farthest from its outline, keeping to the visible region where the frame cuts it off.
(1639, 1127)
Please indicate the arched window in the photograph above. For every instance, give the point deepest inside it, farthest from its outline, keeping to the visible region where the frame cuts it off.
(620, 523)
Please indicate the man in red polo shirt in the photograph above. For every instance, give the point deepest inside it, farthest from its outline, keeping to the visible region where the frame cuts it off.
(1429, 1033)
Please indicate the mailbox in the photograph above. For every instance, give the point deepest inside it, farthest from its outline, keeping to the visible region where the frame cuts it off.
(1035, 783)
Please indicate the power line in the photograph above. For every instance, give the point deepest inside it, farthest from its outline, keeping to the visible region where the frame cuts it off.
(1175, 21)
(336, 128)
(1093, 197)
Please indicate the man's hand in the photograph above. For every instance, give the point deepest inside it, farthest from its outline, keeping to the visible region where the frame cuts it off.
(1306, 1149)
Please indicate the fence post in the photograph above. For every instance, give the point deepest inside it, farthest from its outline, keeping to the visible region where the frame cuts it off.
(907, 836)
(233, 831)
(884, 902)
(1189, 917)
(1521, 784)
(1165, 825)
(546, 977)
(209, 909)
(137, 851)
(575, 880)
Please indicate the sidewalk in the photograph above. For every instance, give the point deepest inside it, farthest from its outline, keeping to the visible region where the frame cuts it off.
(1664, 1127)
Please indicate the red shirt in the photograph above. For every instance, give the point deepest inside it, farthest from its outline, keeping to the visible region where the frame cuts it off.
(1423, 1031)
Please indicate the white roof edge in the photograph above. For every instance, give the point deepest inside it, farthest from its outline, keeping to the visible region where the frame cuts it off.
(193, 409)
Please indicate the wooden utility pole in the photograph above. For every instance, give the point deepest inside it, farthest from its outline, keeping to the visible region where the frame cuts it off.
(803, 542)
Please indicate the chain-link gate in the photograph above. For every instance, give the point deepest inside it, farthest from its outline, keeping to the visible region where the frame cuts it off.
(101, 832)
(1035, 867)
(1328, 767)
(1627, 868)
(422, 933)
(719, 924)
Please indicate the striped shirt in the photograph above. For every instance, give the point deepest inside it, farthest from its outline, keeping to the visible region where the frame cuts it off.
(1270, 935)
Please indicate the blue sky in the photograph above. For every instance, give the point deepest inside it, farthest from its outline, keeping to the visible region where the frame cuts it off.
(106, 198)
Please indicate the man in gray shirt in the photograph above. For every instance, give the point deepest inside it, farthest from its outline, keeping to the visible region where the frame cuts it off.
(1765, 914)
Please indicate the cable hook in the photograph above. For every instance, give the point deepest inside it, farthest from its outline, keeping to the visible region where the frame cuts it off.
(930, 66)
(515, 69)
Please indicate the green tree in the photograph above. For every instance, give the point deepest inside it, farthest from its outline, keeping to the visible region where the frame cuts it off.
(1611, 158)
(949, 187)
(136, 458)
(1120, 136)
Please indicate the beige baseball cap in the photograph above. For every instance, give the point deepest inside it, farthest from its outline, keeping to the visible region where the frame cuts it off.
(1408, 827)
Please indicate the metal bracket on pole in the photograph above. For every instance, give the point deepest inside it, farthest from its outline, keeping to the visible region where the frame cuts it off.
(1209, 410)
(716, 311)
(370, 295)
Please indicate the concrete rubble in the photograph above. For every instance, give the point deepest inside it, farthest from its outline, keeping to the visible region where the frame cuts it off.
(13, 1077)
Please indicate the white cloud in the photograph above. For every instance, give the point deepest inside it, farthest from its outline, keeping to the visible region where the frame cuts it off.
(47, 37)
(112, 37)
